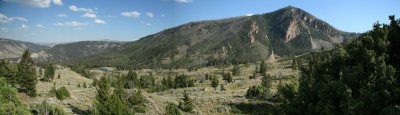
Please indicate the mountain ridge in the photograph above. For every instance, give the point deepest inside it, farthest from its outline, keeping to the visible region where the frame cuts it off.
(285, 32)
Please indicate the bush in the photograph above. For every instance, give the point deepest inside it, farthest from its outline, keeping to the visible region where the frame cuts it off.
(227, 77)
(215, 82)
(182, 81)
(61, 93)
(187, 104)
(236, 70)
(45, 108)
(172, 109)
(254, 92)
(147, 81)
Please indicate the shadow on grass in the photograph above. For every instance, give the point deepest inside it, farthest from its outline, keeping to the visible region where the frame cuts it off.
(79, 111)
(254, 108)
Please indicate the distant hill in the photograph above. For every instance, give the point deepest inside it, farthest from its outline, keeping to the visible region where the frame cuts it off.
(14, 48)
(286, 32)
(68, 51)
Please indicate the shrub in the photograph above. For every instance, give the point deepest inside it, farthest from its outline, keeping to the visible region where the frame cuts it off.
(254, 92)
(172, 109)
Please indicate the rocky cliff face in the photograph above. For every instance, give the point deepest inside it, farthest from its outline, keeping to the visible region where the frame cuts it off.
(287, 31)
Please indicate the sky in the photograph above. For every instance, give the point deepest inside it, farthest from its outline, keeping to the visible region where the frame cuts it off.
(55, 21)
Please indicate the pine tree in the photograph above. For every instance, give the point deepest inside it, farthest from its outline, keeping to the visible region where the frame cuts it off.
(236, 70)
(227, 77)
(187, 104)
(103, 94)
(132, 80)
(263, 67)
(172, 109)
(215, 82)
(26, 75)
(49, 73)
(9, 102)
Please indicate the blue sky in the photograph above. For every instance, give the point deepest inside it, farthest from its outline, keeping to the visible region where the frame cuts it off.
(128, 20)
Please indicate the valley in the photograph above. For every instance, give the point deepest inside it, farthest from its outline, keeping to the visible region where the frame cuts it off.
(286, 61)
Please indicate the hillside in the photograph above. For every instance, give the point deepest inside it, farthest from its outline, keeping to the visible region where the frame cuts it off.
(286, 32)
(14, 48)
(67, 51)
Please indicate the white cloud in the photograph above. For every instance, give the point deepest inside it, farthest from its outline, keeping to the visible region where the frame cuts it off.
(58, 24)
(76, 9)
(98, 21)
(58, 2)
(40, 26)
(134, 14)
(148, 24)
(23, 26)
(62, 15)
(33, 3)
(72, 24)
(6, 19)
(89, 15)
(249, 14)
(183, 1)
(149, 14)
(162, 15)
(76, 24)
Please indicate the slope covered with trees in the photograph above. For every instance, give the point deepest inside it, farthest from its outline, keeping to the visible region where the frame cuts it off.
(360, 77)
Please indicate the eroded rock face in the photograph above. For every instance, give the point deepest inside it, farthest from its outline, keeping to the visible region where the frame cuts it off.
(253, 31)
(292, 30)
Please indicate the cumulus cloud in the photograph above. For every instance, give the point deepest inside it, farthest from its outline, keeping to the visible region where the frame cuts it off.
(6, 19)
(23, 26)
(183, 1)
(89, 15)
(72, 24)
(249, 14)
(62, 15)
(33, 3)
(40, 26)
(134, 14)
(148, 24)
(58, 2)
(149, 14)
(76, 9)
(98, 21)
(37, 3)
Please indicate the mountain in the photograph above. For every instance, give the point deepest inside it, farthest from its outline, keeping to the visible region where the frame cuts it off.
(68, 51)
(286, 32)
(14, 48)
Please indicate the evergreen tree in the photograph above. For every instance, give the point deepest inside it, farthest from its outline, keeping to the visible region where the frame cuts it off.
(236, 70)
(26, 75)
(263, 67)
(132, 80)
(147, 81)
(49, 73)
(9, 102)
(187, 104)
(172, 109)
(215, 82)
(227, 77)
(103, 94)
